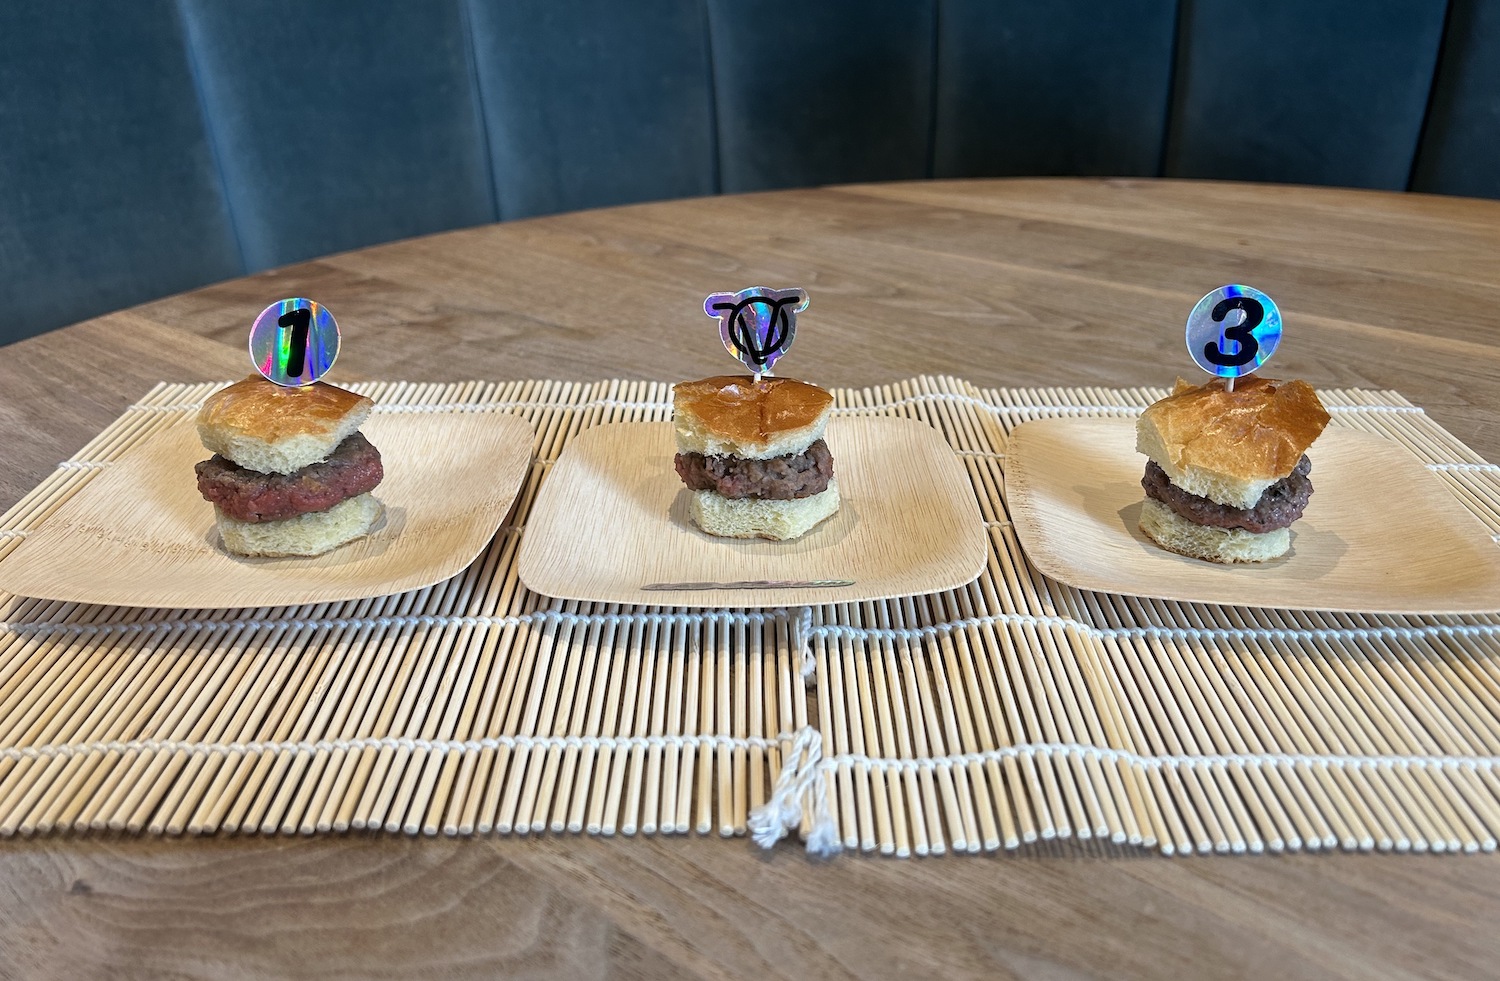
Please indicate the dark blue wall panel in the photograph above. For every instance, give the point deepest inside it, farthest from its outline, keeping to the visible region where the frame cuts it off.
(595, 102)
(108, 193)
(1460, 151)
(341, 124)
(1069, 87)
(1326, 92)
(822, 92)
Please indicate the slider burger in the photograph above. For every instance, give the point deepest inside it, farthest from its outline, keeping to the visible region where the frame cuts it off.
(752, 453)
(290, 473)
(1226, 473)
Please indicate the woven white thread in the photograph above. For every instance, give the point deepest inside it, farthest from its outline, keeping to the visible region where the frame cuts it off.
(982, 454)
(84, 464)
(732, 617)
(1474, 467)
(444, 406)
(841, 410)
(1110, 754)
(177, 407)
(1133, 633)
(802, 774)
(801, 629)
(405, 743)
(503, 406)
(13, 533)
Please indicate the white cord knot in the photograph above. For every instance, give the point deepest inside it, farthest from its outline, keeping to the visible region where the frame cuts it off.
(801, 775)
(802, 642)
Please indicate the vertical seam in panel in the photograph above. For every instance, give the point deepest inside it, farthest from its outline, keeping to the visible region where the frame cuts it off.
(190, 47)
(713, 96)
(466, 15)
(932, 82)
(1432, 92)
(1181, 23)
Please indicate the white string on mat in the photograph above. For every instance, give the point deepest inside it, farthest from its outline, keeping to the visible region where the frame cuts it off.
(809, 630)
(84, 464)
(408, 743)
(803, 781)
(496, 405)
(501, 406)
(1479, 467)
(742, 617)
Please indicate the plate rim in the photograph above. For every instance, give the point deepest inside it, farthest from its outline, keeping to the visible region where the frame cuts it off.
(744, 599)
(524, 457)
(1047, 560)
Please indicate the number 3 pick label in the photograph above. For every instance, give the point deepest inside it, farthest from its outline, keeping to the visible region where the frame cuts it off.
(294, 342)
(1233, 331)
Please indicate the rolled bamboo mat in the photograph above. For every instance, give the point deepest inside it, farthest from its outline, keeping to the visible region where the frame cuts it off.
(1010, 711)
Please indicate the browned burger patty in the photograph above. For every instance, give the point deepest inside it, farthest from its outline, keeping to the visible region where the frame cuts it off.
(1281, 504)
(249, 495)
(782, 478)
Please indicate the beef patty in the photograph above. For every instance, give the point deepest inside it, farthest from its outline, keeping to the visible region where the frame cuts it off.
(1281, 504)
(249, 495)
(782, 478)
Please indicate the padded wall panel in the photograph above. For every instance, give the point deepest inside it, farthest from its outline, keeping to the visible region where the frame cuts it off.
(1332, 92)
(1070, 87)
(595, 102)
(108, 193)
(341, 124)
(822, 93)
(1460, 151)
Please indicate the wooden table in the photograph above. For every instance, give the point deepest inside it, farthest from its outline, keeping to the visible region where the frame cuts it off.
(1020, 283)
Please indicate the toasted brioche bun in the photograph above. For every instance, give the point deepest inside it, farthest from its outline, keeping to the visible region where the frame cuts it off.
(748, 517)
(306, 534)
(273, 429)
(1177, 534)
(734, 415)
(1230, 446)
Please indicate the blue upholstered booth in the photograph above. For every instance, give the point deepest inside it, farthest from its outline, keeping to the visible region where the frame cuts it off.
(152, 146)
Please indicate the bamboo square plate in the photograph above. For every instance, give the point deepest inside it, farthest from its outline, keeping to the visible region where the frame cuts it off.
(1380, 535)
(139, 534)
(612, 517)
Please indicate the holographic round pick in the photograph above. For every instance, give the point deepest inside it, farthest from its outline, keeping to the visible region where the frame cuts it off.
(294, 342)
(757, 324)
(1233, 331)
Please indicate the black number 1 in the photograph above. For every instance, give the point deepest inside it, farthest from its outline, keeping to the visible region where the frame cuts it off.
(296, 356)
(1239, 333)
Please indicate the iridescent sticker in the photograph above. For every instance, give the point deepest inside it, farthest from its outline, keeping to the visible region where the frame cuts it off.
(1233, 331)
(757, 324)
(294, 342)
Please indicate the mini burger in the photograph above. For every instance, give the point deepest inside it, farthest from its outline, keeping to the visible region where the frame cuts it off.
(1227, 471)
(753, 455)
(290, 475)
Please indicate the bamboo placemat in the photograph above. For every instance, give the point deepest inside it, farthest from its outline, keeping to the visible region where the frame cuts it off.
(1008, 711)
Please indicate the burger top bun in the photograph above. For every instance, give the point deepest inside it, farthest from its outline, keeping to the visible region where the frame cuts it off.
(274, 429)
(734, 415)
(1230, 446)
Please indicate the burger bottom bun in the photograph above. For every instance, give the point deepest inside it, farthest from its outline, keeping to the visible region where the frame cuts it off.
(306, 534)
(1175, 533)
(749, 518)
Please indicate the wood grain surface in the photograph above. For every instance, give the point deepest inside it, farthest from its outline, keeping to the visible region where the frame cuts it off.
(1024, 283)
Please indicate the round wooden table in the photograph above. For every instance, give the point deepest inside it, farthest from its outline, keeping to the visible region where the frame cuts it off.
(1003, 283)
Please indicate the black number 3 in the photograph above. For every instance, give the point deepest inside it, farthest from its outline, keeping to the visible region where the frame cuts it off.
(1239, 333)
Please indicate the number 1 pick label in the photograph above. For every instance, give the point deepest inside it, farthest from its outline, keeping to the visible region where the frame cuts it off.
(1233, 331)
(294, 342)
